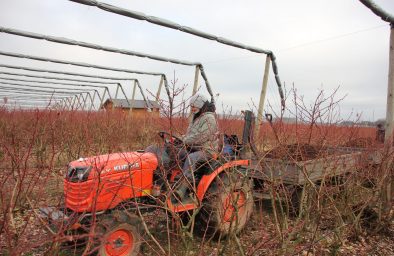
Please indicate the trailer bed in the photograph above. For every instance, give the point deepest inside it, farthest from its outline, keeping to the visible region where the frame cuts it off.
(330, 162)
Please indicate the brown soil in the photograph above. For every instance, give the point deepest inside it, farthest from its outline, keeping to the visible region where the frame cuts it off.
(296, 152)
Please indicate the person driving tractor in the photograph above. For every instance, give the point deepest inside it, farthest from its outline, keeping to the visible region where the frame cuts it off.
(201, 139)
(200, 143)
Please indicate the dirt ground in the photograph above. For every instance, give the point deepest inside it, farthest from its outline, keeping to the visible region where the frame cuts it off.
(258, 238)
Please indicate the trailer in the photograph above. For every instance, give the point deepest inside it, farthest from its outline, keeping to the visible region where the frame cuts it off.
(299, 170)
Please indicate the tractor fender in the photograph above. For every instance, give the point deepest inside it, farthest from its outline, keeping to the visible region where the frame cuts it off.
(206, 180)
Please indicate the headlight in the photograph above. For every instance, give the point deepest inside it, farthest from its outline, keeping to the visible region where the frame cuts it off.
(78, 174)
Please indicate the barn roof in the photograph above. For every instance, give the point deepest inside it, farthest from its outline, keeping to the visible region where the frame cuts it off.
(136, 104)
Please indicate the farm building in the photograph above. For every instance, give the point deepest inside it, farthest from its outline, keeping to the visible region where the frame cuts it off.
(139, 107)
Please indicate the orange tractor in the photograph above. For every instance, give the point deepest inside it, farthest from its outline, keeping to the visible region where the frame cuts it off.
(110, 191)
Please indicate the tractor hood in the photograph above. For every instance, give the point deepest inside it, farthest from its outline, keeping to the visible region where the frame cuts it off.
(102, 182)
(103, 165)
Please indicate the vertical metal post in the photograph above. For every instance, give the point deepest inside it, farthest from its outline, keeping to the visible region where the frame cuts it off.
(109, 94)
(94, 97)
(65, 106)
(262, 95)
(204, 76)
(390, 92)
(133, 96)
(143, 97)
(170, 100)
(116, 96)
(61, 104)
(196, 75)
(69, 100)
(79, 101)
(388, 190)
(117, 90)
(103, 97)
(85, 99)
(124, 93)
(88, 98)
(195, 87)
(91, 100)
(56, 104)
(73, 104)
(158, 90)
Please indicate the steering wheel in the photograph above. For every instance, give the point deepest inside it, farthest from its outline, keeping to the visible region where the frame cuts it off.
(171, 139)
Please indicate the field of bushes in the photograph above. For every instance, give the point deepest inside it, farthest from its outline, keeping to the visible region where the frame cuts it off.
(343, 217)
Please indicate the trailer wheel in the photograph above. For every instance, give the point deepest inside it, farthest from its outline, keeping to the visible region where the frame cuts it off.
(227, 206)
(119, 234)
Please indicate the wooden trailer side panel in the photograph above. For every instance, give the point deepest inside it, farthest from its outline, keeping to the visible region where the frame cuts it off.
(298, 172)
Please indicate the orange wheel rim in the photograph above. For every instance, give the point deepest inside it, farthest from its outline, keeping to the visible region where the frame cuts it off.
(119, 243)
(233, 206)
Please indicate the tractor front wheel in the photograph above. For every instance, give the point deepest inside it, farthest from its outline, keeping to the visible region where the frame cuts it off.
(228, 204)
(119, 234)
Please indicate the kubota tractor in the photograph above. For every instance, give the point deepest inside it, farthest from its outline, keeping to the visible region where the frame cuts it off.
(106, 194)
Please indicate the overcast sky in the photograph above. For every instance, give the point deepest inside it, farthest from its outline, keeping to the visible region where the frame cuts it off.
(319, 44)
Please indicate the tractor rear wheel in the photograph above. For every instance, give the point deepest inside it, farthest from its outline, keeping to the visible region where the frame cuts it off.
(228, 205)
(119, 234)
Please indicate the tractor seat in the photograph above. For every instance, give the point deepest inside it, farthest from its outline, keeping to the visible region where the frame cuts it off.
(230, 147)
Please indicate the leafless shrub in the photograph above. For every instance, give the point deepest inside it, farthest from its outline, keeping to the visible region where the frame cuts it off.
(331, 196)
